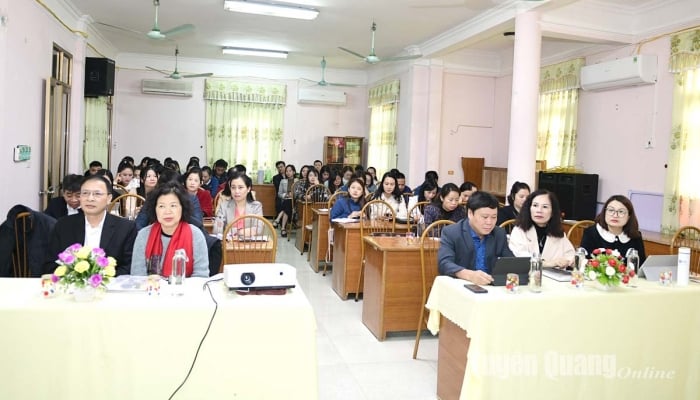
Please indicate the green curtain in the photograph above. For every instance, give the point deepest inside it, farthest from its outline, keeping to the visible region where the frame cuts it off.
(558, 112)
(682, 190)
(96, 141)
(245, 122)
(384, 106)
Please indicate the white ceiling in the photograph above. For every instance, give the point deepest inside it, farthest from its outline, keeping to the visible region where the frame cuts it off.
(455, 30)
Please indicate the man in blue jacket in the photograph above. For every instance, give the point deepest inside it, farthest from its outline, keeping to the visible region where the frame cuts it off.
(469, 248)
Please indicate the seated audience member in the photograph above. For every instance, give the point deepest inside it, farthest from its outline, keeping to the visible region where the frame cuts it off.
(144, 162)
(93, 168)
(429, 176)
(445, 206)
(518, 193)
(388, 191)
(149, 180)
(193, 184)
(373, 171)
(318, 164)
(469, 248)
(401, 181)
(166, 176)
(538, 231)
(193, 162)
(127, 160)
(209, 182)
(346, 174)
(428, 191)
(237, 200)
(125, 174)
(335, 182)
(170, 208)
(370, 186)
(324, 175)
(317, 194)
(351, 205)
(95, 227)
(465, 190)
(220, 167)
(69, 202)
(285, 195)
(616, 228)
(303, 185)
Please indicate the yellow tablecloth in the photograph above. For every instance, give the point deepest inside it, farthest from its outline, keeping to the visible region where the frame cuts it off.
(132, 346)
(564, 343)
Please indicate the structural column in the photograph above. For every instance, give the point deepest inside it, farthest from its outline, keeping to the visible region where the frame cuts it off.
(522, 145)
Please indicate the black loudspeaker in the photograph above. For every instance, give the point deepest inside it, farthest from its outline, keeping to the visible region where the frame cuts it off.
(577, 193)
(99, 77)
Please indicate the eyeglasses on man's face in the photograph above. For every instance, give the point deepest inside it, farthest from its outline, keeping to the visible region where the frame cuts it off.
(96, 194)
(616, 213)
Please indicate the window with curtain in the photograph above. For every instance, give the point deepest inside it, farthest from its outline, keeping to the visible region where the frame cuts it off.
(682, 191)
(96, 141)
(384, 106)
(245, 122)
(558, 111)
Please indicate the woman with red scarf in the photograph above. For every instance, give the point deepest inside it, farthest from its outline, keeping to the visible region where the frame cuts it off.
(170, 207)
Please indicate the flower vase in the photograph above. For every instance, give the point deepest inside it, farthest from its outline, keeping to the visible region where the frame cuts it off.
(84, 294)
(604, 287)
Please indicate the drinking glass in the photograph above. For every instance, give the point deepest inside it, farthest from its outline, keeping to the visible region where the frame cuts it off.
(512, 283)
(153, 266)
(577, 278)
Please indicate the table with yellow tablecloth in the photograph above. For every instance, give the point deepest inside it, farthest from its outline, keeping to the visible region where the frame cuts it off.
(566, 343)
(129, 345)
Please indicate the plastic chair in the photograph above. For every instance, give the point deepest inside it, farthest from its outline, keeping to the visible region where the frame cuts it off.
(126, 205)
(255, 242)
(575, 233)
(20, 265)
(429, 245)
(316, 197)
(688, 236)
(376, 216)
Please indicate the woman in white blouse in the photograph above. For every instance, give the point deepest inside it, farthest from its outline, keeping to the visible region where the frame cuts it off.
(388, 190)
(538, 231)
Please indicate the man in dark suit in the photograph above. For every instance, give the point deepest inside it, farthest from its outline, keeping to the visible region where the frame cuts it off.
(469, 248)
(94, 228)
(69, 202)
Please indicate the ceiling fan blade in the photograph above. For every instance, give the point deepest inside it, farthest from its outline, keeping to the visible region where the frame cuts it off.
(413, 57)
(158, 70)
(179, 29)
(120, 28)
(351, 52)
(341, 84)
(198, 75)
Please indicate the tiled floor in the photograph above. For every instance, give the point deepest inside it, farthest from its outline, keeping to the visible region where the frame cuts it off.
(352, 363)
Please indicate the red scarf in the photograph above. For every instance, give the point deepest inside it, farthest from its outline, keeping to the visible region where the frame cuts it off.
(181, 239)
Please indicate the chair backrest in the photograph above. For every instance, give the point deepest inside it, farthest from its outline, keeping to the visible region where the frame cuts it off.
(20, 264)
(217, 199)
(575, 233)
(508, 225)
(415, 213)
(249, 239)
(377, 216)
(429, 245)
(334, 197)
(369, 196)
(688, 236)
(126, 205)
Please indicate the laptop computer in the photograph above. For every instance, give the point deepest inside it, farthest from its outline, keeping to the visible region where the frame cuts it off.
(510, 265)
(655, 264)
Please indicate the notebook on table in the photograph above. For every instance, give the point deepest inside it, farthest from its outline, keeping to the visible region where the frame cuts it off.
(510, 265)
(559, 275)
(655, 264)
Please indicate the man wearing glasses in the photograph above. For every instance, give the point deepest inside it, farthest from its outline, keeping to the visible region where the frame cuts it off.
(95, 227)
(69, 202)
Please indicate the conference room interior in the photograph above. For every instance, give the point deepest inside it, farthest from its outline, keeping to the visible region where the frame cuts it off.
(449, 108)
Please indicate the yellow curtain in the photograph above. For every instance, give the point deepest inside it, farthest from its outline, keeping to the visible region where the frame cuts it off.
(245, 122)
(558, 111)
(384, 105)
(682, 191)
(96, 141)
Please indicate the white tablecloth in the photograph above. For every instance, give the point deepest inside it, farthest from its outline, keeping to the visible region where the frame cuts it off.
(566, 343)
(133, 346)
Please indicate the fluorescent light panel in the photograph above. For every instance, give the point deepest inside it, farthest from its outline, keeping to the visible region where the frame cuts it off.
(244, 51)
(273, 9)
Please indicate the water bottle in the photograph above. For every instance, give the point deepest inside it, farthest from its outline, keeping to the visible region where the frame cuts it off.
(683, 274)
(177, 274)
(580, 259)
(420, 227)
(534, 282)
(632, 258)
(219, 223)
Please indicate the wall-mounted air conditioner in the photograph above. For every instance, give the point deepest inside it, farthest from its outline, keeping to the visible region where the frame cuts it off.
(628, 71)
(167, 87)
(317, 95)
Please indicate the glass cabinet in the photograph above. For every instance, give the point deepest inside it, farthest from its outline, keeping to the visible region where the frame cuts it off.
(339, 151)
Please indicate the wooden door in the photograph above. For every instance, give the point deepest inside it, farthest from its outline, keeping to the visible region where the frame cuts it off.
(473, 169)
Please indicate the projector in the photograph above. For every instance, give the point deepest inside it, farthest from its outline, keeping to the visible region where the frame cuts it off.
(259, 276)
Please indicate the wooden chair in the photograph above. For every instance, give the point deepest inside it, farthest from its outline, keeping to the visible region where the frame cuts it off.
(117, 188)
(429, 245)
(575, 233)
(508, 225)
(216, 201)
(255, 243)
(415, 213)
(126, 205)
(329, 251)
(316, 197)
(334, 197)
(688, 236)
(376, 216)
(20, 265)
(291, 225)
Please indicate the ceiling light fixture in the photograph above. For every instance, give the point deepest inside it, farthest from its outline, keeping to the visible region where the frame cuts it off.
(244, 51)
(273, 9)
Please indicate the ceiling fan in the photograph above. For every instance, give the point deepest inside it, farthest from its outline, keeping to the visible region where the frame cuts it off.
(155, 32)
(372, 57)
(176, 74)
(323, 81)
